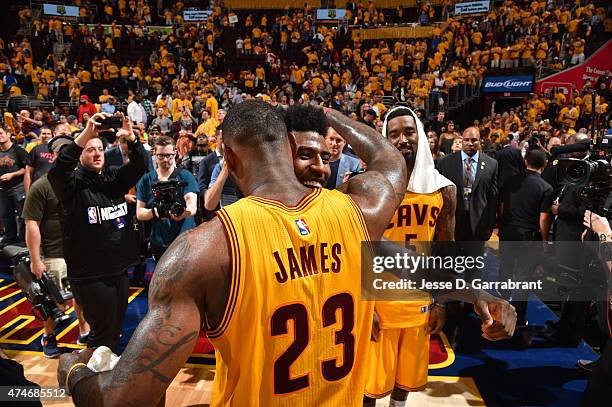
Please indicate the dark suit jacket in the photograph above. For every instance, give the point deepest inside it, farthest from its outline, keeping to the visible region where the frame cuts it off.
(510, 163)
(207, 165)
(483, 208)
(205, 170)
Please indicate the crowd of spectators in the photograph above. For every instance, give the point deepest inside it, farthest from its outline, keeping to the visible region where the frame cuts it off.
(285, 54)
(175, 85)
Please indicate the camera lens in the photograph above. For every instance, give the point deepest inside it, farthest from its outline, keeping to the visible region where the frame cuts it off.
(576, 173)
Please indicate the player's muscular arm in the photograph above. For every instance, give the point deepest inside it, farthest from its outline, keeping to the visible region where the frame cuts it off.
(379, 191)
(378, 154)
(445, 229)
(184, 289)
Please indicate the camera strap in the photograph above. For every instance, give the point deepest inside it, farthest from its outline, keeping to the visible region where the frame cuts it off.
(175, 173)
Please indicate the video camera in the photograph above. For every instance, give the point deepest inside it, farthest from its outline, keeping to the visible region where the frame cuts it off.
(43, 294)
(167, 198)
(594, 173)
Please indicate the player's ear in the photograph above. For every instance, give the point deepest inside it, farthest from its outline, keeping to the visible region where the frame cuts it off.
(292, 143)
(230, 158)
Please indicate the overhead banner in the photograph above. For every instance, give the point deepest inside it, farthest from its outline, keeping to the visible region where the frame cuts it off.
(597, 65)
(195, 14)
(472, 7)
(508, 84)
(60, 10)
(331, 13)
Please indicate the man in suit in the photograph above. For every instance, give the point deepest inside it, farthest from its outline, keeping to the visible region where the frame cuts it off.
(341, 165)
(206, 173)
(510, 163)
(475, 175)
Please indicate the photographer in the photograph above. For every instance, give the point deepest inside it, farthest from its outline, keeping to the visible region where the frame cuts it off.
(599, 391)
(569, 208)
(44, 241)
(169, 219)
(99, 243)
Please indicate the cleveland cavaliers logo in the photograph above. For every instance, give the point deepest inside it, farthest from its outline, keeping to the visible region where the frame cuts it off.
(302, 227)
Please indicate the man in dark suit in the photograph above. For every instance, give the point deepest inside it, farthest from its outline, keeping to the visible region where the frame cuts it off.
(205, 173)
(207, 165)
(475, 175)
(510, 163)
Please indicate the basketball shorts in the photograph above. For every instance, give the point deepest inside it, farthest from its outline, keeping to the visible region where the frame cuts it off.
(400, 358)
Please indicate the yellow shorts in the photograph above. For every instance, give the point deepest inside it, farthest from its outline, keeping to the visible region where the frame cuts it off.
(400, 358)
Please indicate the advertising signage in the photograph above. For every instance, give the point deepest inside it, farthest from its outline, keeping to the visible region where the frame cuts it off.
(472, 7)
(195, 15)
(508, 84)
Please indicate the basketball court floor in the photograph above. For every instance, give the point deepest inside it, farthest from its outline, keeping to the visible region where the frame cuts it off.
(482, 373)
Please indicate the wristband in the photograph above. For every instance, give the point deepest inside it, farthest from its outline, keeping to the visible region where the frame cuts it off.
(437, 304)
(72, 369)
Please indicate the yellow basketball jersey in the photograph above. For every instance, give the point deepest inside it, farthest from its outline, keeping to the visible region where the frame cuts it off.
(295, 332)
(414, 221)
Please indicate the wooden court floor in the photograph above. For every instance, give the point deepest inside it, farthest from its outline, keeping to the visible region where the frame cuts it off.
(193, 385)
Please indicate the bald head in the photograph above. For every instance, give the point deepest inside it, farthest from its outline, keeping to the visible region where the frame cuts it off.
(471, 141)
(578, 138)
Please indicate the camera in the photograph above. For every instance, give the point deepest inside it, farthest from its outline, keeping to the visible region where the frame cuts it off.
(594, 173)
(113, 122)
(42, 293)
(167, 199)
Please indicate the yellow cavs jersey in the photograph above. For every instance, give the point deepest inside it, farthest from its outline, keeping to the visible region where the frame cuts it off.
(415, 220)
(294, 332)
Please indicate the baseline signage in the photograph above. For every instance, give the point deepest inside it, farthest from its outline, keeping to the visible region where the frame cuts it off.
(472, 7)
(597, 65)
(508, 84)
(60, 10)
(331, 13)
(196, 14)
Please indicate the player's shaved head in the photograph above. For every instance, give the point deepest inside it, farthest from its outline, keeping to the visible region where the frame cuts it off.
(255, 124)
(256, 147)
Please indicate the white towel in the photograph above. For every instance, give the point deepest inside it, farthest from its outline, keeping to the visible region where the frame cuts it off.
(102, 359)
(424, 179)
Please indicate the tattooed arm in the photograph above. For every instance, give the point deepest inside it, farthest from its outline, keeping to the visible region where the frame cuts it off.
(184, 289)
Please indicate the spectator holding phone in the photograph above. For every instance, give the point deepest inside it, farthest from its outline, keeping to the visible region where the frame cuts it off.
(99, 243)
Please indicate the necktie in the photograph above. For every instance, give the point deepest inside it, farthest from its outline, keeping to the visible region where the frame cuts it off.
(467, 183)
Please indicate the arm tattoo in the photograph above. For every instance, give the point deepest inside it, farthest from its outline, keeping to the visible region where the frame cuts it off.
(169, 273)
(157, 347)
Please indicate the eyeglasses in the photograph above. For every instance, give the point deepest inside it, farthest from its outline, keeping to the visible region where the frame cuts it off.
(165, 156)
(202, 145)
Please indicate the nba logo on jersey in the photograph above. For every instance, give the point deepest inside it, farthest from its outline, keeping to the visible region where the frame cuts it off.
(424, 309)
(302, 227)
(92, 215)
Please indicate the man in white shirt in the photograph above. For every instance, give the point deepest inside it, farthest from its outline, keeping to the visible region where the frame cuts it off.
(136, 112)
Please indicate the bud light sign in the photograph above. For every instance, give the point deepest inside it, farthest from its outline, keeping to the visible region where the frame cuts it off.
(503, 84)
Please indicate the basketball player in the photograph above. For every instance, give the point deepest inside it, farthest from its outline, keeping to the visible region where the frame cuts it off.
(399, 358)
(280, 299)
(255, 372)
(311, 164)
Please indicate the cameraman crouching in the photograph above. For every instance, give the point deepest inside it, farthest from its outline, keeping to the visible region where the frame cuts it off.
(168, 196)
(99, 243)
